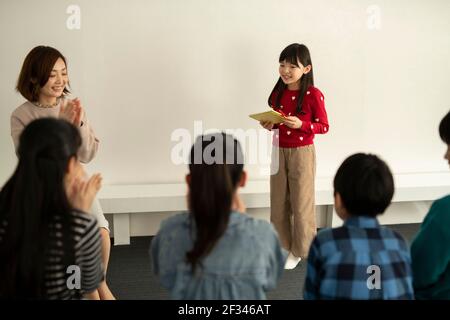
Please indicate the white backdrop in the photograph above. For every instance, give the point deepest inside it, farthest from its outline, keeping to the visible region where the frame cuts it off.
(144, 68)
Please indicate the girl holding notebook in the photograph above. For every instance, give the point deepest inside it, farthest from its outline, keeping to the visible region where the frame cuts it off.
(293, 156)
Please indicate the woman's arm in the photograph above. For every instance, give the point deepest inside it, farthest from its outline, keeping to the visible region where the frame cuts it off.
(17, 127)
(90, 142)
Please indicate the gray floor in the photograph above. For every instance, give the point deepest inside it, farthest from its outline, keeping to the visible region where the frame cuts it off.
(130, 276)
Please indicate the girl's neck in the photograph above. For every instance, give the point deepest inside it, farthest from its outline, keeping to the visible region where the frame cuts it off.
(294, 86)
(237, 203)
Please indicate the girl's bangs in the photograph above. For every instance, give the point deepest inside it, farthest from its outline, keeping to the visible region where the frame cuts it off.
(289, 55)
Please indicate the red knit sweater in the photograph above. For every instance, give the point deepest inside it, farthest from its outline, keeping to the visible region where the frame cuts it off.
(313, 116)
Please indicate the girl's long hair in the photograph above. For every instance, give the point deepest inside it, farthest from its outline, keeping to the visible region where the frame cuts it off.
(293, 54)
(216, 165)
(30, 201)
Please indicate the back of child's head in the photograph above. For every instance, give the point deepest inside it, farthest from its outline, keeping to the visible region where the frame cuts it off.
(31, 200)
(45, 148)
(216, 165)
(365, 185)
(444, 129)
(48, 140)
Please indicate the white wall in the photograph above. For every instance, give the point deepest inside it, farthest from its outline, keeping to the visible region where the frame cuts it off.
(146, 68)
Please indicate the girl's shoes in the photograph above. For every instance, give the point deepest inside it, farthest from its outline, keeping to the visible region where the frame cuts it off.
(292, 261)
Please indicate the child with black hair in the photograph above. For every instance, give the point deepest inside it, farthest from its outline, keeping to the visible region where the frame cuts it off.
(215, 251)
(46, 234)
(430, 250)
(292, 193)
(361, 259)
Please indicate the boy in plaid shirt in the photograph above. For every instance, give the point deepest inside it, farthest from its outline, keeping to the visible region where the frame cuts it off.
(361, 259)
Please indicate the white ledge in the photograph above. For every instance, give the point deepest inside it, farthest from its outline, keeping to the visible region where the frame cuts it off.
(256, 194)
(123, 200)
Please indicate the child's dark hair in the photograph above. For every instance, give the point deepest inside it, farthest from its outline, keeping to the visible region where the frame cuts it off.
(36, 70)
(444, 129)
(365, 184)
(30, 201)
(216, 165)
(293, 54)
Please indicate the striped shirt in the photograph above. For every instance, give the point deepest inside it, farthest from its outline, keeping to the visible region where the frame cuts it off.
(64, 282)
(360, 260)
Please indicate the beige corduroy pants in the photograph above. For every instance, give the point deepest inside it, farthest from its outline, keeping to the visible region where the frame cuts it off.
(292, 193)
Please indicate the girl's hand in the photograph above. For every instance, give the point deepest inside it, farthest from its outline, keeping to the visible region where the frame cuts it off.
(266, 125)
(293, 122)
(237, 204)
(82, 193)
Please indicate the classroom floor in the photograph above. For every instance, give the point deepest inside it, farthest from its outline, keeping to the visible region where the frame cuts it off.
(130, 276)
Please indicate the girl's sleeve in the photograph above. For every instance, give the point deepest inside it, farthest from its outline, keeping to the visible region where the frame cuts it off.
(319, 122)
(272, 106)
(89, 144)
(89, 253)
(154, 254)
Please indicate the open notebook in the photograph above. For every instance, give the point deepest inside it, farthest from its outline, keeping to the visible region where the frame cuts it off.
(271, 115)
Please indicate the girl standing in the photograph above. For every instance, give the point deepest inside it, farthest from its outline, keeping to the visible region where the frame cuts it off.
(292, 180)
(43, 82)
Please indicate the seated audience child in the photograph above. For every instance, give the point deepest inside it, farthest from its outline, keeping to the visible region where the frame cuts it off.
(430, 249)
(361, 259)
(215, 251)
(49, 247)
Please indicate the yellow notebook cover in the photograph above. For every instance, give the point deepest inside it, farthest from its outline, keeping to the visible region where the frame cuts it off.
(270, 115)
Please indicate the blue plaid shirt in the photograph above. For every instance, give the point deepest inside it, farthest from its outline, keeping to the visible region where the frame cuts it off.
(360, 260)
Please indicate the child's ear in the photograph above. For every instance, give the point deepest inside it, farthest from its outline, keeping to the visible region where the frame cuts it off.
(307, 69)
(243, 179)
(337, 200)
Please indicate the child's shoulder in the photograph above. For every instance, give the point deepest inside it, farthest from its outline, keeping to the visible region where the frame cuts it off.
(252, 226)
(344, 232)
(389, 233)
(438, 212)
(331, 234)
(177, 220)
(249, 221)
(442, 203)
(313, 91)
